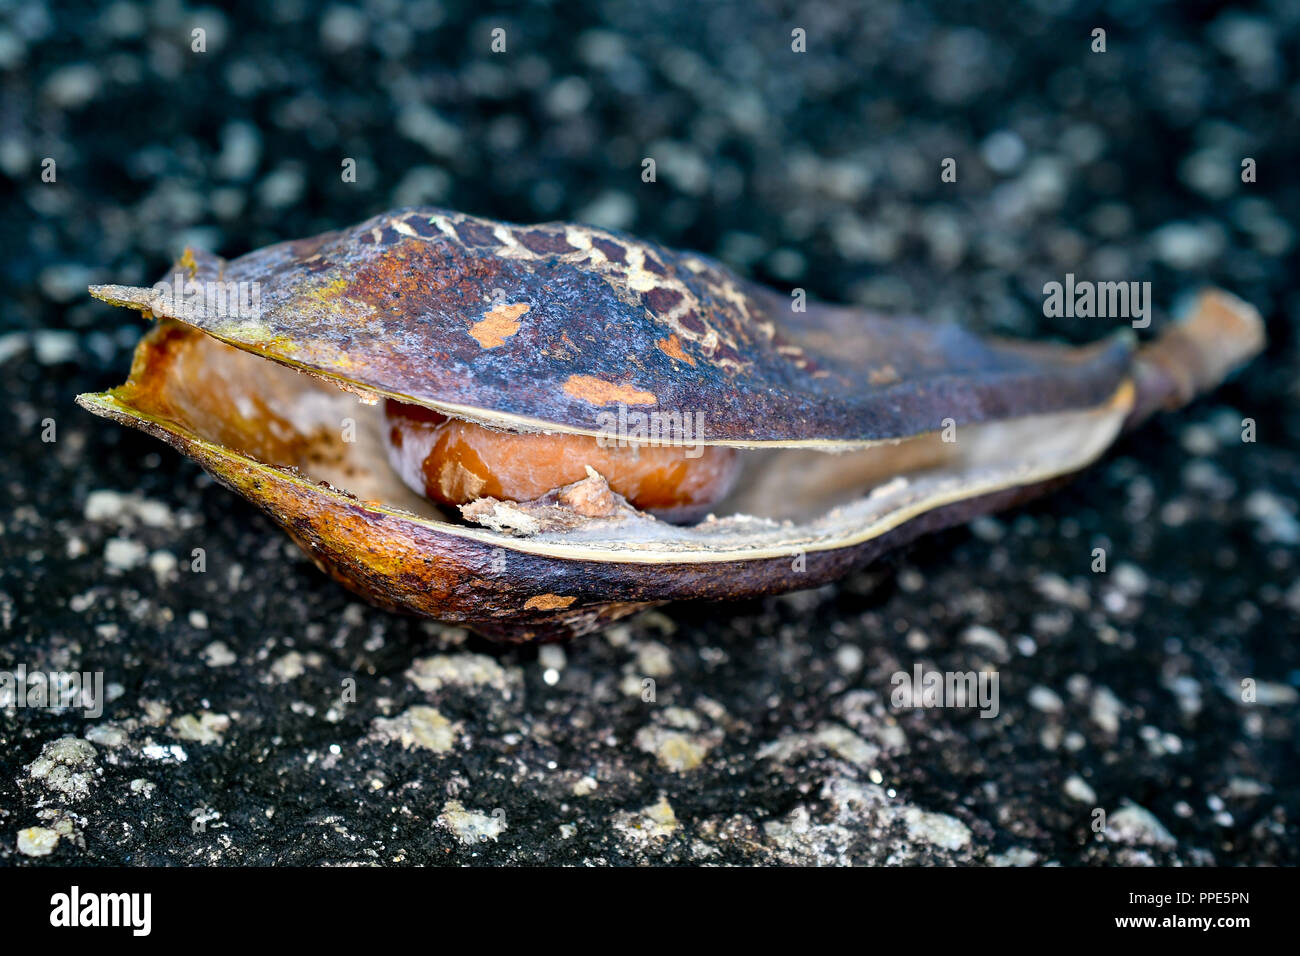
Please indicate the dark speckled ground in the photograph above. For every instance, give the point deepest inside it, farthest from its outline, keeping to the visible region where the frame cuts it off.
(772, 737)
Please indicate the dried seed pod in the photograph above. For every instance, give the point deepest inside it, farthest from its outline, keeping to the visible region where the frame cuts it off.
(580, 350)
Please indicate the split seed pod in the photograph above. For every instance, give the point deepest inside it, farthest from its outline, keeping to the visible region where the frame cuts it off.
(854, 432)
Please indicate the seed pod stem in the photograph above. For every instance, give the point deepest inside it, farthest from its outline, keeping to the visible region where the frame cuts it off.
(1220, 334)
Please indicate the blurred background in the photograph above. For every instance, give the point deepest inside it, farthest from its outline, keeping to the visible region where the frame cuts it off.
(817, 169)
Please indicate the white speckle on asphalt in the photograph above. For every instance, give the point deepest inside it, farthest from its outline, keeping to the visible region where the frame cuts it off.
(37, 841)
(1137, 826)
(123, 554)
(66, 767)
(1045, 699)
(471, 826)
(1077, 789)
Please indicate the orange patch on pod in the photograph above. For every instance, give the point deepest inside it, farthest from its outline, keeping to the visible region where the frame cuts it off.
(498, 325)
(672, 347)
(548, 602)
(597, 391)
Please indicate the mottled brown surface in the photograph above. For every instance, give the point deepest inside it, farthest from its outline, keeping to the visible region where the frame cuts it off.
(414, 303)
